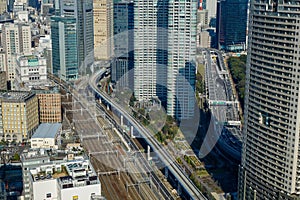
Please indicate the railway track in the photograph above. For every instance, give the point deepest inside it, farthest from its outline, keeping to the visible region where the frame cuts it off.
(112, 187)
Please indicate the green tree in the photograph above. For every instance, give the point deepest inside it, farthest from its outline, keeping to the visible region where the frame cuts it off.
(237, 67)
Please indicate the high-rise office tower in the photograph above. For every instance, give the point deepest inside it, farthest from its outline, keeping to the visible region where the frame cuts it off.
(34, 3)
(10, 5)
(270, 160)
(16, 40)
(211, 6)
(123, 39)
(231, 24)
(103, 29)
(181, 58)
(82, 11)
(65, 52)
(3, 6)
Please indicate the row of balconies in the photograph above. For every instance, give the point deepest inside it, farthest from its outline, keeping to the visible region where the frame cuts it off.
(267, 81)
(282, 34)
(270, 37)
(274, 26)
(286, 48)
(277, 137)
(281, 67)
(276, 169)
(274, 20)
(272, 51)
(272, 146)
(264, 153)
(269, 177)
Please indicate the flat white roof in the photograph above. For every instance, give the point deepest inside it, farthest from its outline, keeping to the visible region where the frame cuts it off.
(47, 130)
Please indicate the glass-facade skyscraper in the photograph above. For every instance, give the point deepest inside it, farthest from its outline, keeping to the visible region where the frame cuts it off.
(123, 25)
(231, 24)
(271, 151)
(64, 47)
(82, 11)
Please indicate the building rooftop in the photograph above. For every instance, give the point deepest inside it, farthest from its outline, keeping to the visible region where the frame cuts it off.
(68, 174)
(45, 89)
(15, 95)
(34, 154)
(47, 130)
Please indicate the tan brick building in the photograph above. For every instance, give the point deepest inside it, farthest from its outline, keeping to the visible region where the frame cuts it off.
(49, 105)
(19, 115)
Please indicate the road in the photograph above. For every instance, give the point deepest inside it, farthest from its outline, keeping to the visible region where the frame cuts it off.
(164, 156)
(222, 105)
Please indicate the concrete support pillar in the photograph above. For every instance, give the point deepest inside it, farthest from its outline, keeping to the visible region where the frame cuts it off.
(179, 191)
(131, 132)
(244, 186)
(166, 172)
(122, 120)
(148, 152)
(107, 107)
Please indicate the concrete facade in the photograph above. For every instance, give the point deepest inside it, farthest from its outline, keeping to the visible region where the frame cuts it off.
(271, 152)
(19, 115)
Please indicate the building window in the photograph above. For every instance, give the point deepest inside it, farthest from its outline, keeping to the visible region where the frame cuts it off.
(75, 197)
(48, 195)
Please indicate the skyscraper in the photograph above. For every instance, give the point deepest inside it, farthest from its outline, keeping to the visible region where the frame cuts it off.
(3, 6)
(164, 51)
(65, 56)
(103, 29)
(231, 24)
(145, 41)
(270, 160)
(211, 6)
(123, 43)
(182, 27)
(16, 41)
(82, 11)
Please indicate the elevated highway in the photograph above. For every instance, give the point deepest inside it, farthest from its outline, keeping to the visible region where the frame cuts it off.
(183, 181)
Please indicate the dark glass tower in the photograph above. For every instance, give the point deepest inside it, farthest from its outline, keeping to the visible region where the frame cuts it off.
(82, 11)
(123, 43)
(64, 47)
(231, 24)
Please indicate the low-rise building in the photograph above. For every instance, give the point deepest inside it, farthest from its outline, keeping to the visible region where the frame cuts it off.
(31, 158)
(61, 179)
(30, 69)
(18, 115)
(47, 136)
(49, 104)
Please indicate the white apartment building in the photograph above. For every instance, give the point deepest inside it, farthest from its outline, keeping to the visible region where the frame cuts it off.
(270, 166)
(145, 49)
(74, 180)
(60, 179)
(182, 30)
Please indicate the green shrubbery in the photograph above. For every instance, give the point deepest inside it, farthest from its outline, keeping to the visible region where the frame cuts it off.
(237, 67)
